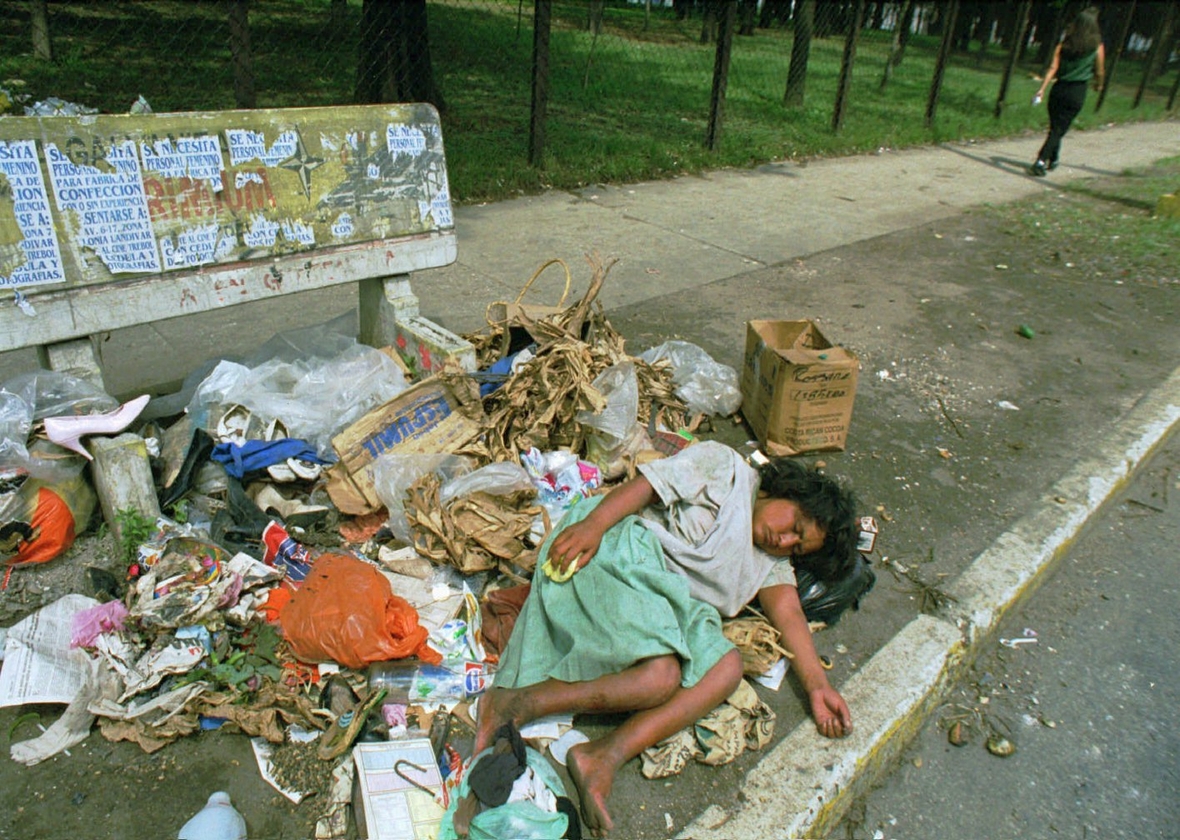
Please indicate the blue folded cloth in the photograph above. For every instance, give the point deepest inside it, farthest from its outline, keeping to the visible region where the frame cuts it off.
(256, 455)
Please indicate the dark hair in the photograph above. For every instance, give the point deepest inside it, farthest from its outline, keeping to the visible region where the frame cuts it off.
(1082, 36)
(826, 500)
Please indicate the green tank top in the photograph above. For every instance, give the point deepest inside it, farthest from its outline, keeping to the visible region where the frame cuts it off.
(1078, 68)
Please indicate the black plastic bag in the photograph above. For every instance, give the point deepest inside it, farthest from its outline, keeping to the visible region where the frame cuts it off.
(826, 601)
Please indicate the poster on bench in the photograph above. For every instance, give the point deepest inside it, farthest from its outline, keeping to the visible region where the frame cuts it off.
(87, 200)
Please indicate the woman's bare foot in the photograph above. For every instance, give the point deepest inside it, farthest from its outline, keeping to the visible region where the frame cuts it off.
(497, 707)
(593, 774)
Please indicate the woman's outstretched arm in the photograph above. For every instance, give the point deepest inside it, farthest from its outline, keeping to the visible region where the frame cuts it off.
(782, 607)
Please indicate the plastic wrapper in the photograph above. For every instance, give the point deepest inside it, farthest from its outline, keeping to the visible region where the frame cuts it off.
(705, 385)
(314, 398)
(619, 386)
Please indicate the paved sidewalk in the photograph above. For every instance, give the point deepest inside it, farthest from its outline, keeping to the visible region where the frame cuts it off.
(669, 237)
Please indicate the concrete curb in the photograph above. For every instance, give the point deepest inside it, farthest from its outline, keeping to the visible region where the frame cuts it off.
(804, 786)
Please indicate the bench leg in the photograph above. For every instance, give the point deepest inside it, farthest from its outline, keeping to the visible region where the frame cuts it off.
(77, 358)
(389, 318)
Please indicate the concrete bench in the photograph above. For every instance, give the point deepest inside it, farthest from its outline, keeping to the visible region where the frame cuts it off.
(112, 221)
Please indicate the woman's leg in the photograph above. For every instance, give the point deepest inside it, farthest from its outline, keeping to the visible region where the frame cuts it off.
(1065, 102)
(593, 765)
(644, 685)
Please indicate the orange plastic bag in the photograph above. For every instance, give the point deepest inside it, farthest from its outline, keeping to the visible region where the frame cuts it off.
(40, 521)
(345, 611)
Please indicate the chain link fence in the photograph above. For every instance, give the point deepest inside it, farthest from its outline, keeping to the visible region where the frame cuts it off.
(568, 90)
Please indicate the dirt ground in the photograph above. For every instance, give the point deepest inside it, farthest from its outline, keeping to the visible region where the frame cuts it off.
(959, 423)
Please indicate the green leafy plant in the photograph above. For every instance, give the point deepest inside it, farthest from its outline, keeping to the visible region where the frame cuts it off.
(134, 529)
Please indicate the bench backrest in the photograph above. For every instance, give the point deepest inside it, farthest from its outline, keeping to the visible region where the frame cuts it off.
(110, 221)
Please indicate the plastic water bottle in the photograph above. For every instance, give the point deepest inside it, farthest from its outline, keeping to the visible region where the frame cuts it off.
(1036, 99)
(218, 820)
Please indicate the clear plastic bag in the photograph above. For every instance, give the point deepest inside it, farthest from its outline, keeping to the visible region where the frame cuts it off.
(29, 397)
(314, 397)
(619, 385)
(705, 385)
(393, 473)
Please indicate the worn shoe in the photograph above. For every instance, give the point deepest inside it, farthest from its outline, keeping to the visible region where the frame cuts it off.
(346, 727)
(1052, 166)
(1037, 169)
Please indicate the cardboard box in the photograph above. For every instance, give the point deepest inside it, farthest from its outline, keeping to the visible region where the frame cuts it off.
(797, 388)
(439, 414)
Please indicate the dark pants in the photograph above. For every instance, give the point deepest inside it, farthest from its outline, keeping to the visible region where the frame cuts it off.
(1065, 101)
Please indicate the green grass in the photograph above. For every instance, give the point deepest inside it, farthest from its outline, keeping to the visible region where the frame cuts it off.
(1106, 225)
(629, 105)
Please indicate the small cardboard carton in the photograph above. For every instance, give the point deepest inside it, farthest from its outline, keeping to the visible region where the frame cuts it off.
(797, 388)
(439, 414)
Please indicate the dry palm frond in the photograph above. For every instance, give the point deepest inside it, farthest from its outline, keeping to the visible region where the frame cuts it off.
(757, 641)
(474, 533)
(538, 404)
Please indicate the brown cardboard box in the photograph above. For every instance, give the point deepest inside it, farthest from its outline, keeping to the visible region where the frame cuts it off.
(439, 414)
(797, 388)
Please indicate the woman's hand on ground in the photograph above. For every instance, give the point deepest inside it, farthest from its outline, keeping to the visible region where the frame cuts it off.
(832, 718)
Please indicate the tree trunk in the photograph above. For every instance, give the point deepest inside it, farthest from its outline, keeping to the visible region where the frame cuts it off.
(1050, 24)
(896, 47)
(713, 10)
(1112, 61)
(748, 14)
(905, 29)
(1156, 55)
(594, 17)
(1014, 37)
(239, 49)
(800, 52)
(728, 15)
(845, 82)
(542, 18)
(42, 46)
(394, 63)
(944, 51)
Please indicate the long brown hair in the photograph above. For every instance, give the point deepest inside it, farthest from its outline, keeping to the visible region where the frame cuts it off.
(1083, 35)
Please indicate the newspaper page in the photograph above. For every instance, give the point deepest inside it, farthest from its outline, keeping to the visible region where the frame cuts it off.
(39, 665)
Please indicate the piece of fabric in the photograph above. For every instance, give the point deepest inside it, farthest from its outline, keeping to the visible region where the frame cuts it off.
(622, 607)
(703, 523)
(492, 778)
(256, 455)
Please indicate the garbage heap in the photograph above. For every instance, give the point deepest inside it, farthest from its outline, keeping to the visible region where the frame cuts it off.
(334, 550)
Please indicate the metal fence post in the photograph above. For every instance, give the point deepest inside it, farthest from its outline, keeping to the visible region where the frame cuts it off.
(720, 74)
(542, 15)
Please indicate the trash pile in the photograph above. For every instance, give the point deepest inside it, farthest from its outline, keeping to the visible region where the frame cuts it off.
(339, 549)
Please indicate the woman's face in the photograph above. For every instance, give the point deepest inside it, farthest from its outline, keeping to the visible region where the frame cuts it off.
(782, 529)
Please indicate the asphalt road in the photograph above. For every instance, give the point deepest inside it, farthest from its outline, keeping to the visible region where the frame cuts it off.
(1091, 704)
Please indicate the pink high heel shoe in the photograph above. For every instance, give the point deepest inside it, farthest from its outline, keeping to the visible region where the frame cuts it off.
(68, 430)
